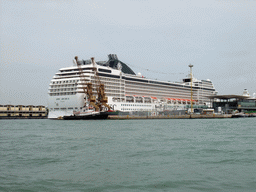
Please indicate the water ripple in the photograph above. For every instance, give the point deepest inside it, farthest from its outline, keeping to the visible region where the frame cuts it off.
(137, 155)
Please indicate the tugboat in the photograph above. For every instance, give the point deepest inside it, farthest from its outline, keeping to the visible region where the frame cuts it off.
(87, 115)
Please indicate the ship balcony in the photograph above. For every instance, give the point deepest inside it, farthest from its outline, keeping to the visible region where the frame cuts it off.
(67, 83)
(64, 90)
(65, 77)
(62, 86)
(74, 72)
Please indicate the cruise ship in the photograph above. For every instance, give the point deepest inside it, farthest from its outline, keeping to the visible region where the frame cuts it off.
(125, 90)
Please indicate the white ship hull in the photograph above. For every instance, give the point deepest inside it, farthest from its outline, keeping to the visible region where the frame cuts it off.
(126, 91)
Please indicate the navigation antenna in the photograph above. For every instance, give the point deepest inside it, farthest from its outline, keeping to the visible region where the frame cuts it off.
(191, 81)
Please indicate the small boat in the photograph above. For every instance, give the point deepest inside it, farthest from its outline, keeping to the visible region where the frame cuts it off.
(252, 115)
(86, 115)
(239, 115)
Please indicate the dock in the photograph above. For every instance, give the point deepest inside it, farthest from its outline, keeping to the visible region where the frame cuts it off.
(192, 116)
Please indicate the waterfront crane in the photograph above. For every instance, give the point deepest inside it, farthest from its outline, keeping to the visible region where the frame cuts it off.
(88, 90)
(100, 87)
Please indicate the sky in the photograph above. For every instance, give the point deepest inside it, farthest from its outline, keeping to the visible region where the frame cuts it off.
(159, 39)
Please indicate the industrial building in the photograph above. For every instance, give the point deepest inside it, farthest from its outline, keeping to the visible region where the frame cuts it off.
(22, 112)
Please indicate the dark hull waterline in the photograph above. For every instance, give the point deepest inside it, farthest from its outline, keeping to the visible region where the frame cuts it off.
(101, 115)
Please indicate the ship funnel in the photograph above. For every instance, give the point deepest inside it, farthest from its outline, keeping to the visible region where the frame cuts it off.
(112, 57)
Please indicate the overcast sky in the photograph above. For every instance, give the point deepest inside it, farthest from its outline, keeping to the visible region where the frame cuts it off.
(157, 38)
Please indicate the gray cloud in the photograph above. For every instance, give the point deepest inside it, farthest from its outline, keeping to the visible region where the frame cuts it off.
(39, 37)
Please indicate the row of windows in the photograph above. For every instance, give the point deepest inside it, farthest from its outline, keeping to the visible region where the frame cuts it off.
(69, 70)
(69, 108)
(59, 94)
(113, 95)
(112, 87)
(104, 70)
(73, 74)
(66, 81)
(135, 105)
(67, 77)
(110, 83)
(158, 94)
(108, 94)
(112, 91)
(108, 79)
(62, 98)
(163, 92)
(106, 87)
(148, 87)
(132, 101)
(56, 86)
(128, 109)
(159, 83)
(68, 89)
(139, 105)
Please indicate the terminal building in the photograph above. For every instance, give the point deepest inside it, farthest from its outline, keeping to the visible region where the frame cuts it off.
(22, 112)
(230, 103)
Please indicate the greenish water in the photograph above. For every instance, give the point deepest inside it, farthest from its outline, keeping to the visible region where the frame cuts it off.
(128, 155)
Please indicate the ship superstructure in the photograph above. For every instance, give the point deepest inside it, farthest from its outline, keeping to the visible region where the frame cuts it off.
(125, 91)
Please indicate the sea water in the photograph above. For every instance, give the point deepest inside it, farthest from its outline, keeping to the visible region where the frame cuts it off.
(128, 155)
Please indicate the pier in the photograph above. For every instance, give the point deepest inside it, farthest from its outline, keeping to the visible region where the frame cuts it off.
(192, 116)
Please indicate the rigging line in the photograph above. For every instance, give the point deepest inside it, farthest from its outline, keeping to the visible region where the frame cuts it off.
(154, 70)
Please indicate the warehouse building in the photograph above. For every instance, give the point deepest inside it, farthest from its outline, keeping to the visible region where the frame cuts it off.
(22, 112)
